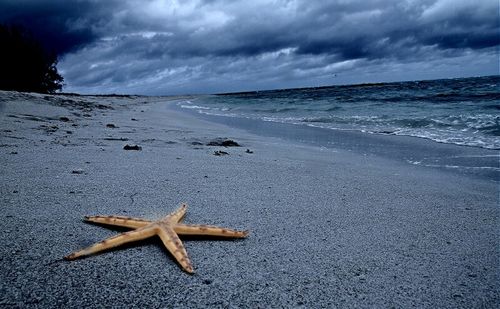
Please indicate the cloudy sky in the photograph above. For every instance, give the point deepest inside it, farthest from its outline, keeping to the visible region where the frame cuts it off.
(207, 46)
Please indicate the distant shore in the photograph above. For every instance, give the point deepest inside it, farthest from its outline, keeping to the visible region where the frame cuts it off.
(355, 224)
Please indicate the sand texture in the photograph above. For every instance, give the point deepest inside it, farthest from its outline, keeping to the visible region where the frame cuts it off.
(329, 227)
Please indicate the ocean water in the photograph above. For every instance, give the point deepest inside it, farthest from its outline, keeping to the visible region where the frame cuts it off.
(457, 111)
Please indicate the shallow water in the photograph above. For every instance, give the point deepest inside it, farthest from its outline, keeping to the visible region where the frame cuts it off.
(455, 111)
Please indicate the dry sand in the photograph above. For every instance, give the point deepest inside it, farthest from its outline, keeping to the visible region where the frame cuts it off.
(329, 227)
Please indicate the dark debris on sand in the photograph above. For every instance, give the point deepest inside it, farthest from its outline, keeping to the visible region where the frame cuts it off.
(132, 147)
(223, 142)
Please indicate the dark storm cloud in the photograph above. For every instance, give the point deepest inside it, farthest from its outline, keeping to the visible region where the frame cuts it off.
(61, 25)
(196, 46)
(394, 30)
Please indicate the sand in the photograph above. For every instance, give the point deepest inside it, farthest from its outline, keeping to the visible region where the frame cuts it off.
(329, 226)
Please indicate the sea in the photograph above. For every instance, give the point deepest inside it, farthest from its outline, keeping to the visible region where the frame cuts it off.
(464, 111)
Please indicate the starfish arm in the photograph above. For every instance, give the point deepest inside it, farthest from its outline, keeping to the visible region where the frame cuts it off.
(176, 248)
(177, 215)
(199, 229)
(115, 241)
(122, 221)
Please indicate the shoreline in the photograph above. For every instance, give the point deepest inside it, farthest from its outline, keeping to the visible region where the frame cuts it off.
(474, 161)
(329, 227)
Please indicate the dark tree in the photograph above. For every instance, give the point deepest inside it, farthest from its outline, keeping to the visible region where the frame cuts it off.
(25, 65)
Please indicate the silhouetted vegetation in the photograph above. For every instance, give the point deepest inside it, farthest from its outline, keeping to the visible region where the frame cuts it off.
(25, 65)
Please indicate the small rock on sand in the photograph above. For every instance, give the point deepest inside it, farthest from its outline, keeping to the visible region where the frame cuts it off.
(224, 142)
(132, 147)
(220, 153)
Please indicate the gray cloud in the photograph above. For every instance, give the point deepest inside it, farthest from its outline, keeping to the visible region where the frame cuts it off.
(158, 47)
(62, 25)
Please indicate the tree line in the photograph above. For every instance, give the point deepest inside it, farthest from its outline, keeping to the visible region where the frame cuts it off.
(25, 65)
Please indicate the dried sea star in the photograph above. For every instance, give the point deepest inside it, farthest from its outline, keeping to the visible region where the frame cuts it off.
(167, 229)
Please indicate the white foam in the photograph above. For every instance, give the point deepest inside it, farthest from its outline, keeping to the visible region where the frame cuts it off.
(492, 168)
(194, 107)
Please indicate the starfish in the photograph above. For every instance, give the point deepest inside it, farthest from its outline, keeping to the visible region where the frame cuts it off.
(167, 229)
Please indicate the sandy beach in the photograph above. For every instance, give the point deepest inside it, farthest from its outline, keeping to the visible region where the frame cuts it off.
(342, 226)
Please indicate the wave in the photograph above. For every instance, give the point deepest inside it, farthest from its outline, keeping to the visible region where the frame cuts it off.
(195, 107)
(462, 112)
(491, 168)
(437, 130)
